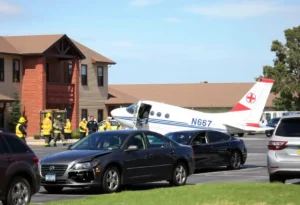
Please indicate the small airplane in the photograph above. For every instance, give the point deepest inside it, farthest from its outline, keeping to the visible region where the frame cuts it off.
(163, 118)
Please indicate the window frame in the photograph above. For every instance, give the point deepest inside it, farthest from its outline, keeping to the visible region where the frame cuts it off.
(14, 70)
(100, 79)
(126, 144)
(167, 143)
(81, 113)
(70, 75)
(84, 78)
(2, 69)
(100, 119)
(208, 137)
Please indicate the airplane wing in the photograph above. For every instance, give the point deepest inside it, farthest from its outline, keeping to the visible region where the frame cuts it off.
(247, 128)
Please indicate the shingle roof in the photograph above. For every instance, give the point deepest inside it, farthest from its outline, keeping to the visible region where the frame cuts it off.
(38, 44)
(94, 55)
(185, 95)
(5, 98)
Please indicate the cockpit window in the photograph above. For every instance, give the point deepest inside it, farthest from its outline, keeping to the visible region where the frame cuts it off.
(131, 109)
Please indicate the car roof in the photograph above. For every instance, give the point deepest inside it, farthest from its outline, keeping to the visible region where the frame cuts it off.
(190, 131)
(290, 116)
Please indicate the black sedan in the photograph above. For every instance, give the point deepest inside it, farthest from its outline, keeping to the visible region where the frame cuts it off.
(213, 148)
(110, 159)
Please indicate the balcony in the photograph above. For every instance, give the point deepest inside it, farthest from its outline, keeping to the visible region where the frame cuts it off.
(59, 93)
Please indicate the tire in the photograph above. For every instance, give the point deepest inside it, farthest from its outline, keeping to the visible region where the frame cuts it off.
(21, 185)
(275, 179)
(111, 180)
(235, 160)
(232, 135)
(241, 134)
(53, 189)
(179, 175)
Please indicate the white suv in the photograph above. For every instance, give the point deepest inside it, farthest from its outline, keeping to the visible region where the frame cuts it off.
(284, 150)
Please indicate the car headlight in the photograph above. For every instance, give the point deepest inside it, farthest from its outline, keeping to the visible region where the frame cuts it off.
(85, 165)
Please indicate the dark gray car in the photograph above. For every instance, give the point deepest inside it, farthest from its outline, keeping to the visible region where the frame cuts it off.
(113, 158)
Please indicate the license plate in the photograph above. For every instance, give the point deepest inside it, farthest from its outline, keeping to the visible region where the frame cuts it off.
(50, 177)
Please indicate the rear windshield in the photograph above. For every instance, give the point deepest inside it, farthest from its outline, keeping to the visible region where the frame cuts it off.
(289, 127)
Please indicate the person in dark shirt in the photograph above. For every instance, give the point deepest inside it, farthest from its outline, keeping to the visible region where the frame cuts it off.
(92, 126)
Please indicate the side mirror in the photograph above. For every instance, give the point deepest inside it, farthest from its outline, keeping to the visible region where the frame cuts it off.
(132, 148)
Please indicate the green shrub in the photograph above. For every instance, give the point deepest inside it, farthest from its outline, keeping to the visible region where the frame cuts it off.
(37, 136)
(75, 134)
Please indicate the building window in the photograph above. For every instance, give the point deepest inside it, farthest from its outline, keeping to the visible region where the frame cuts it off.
(84, 114)
(83, 74)
(16, 71)
(100, 75)
(100, 115)
(2, 69)
(47, 72)
(70, 72)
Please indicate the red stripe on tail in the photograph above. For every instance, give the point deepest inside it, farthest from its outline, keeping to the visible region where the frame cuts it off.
(239, 107)
(253, 124)
(267, 80)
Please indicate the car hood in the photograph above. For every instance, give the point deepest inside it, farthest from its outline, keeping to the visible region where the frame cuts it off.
(73, 156)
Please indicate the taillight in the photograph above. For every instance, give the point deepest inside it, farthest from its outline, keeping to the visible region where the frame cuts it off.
(36, 160)
(276, 145)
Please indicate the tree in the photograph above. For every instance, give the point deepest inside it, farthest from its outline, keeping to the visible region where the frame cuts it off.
(15, 112)
(286, 71)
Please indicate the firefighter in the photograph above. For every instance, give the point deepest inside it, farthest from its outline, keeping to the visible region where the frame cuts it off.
(107, 125)
(68, 130)
(20, 129)
(82, 128)
(59, 131)
(47, 129)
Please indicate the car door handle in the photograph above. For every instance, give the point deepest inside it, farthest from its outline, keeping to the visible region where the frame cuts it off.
(172, 152)
(9, 160)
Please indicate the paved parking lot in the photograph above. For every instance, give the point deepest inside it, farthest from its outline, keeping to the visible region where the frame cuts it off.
(253, 171)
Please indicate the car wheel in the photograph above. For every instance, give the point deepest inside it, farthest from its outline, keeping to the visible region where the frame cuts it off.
(235, 160)
(111, 180)
(179, 175)
(273, 179)
(53, 189)
(19, 192)
(241, 134)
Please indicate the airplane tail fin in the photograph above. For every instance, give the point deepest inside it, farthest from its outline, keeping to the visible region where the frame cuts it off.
(251, 106)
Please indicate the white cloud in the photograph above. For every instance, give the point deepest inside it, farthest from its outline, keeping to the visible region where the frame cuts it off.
(7, 9)
(172, 20)
(250, 8)
(143, 3)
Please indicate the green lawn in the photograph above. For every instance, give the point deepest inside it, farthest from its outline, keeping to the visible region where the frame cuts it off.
(204, 194)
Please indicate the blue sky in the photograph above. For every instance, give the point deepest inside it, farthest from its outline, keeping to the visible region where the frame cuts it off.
(163, 41)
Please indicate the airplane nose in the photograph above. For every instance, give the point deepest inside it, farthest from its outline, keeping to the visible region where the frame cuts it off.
(114, 112)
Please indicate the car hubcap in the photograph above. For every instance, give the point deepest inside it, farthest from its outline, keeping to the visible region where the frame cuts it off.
(112, 180)
(20, 194)
(180, 174)
(236, 160)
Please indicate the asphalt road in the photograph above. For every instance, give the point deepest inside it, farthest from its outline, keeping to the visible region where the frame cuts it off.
(253, 171)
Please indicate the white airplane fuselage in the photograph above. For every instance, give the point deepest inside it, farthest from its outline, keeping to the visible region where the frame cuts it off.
(164, 118)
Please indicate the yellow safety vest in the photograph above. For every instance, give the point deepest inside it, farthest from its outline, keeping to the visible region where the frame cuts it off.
(18, 132)
(82, 124)
(107, 125)
(68, 128)
(47, 126)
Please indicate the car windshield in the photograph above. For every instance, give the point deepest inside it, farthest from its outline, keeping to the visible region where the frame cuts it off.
(101, 141)
(180, 137)
(132, 108)
(289, 127)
